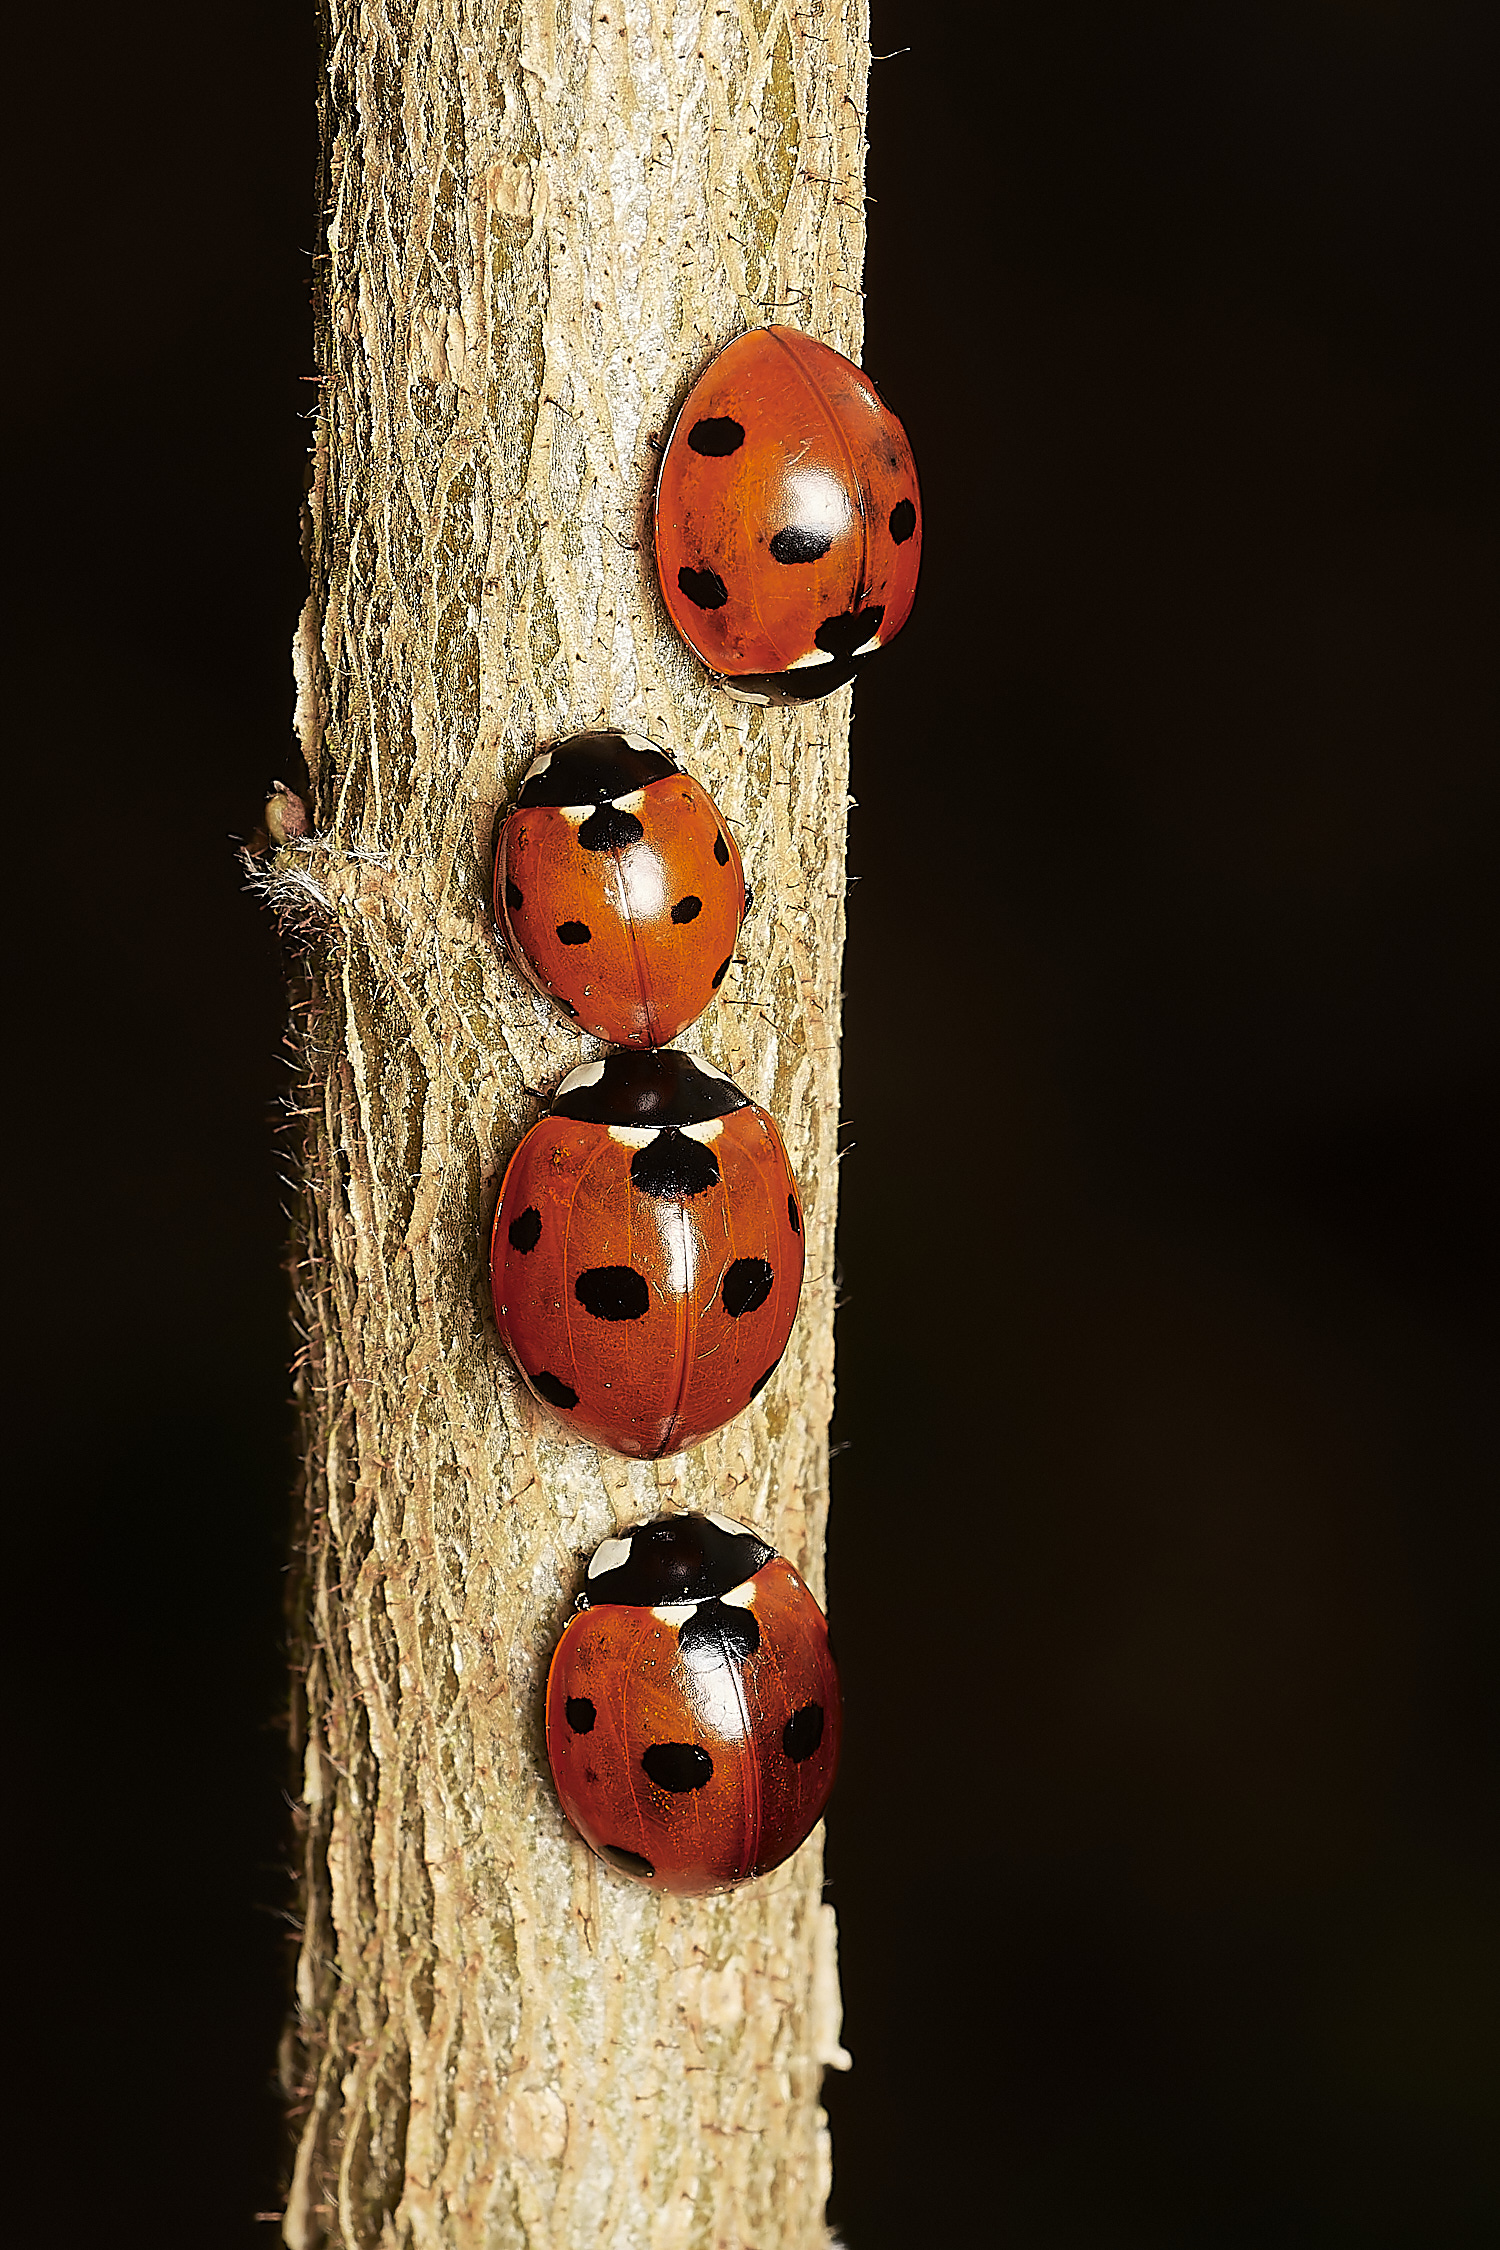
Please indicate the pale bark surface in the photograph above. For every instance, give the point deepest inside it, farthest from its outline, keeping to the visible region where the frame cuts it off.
(542, 223)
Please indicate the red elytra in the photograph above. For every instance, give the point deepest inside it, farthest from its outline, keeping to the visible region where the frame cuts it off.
(619, 888)
(647, 1253)
(693, 1707)
(788, 518)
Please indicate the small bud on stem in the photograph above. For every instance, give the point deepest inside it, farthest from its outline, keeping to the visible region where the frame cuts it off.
(286, 815)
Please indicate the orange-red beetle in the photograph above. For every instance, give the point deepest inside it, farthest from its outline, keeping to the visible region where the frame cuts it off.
(647, 1253)
(693, 1710)
(619, 887)
(788, 519)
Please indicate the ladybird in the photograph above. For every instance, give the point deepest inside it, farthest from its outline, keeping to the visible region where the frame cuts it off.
(647, 1253)
(619, 888)
(693, 1709)
(788, 519)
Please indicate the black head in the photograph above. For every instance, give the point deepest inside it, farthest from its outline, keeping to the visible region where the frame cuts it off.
(842, 642)
(594, 769)
(676, 1559)
(647, 1090)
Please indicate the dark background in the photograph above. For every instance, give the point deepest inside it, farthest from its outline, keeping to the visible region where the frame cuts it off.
(1163, 1558)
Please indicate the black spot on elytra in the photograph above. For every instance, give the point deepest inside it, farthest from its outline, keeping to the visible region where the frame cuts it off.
(674, 1165)
(803, 1732)
(678, 1766)
(705, 589)
(626, 1863)
(794, 1214)
(795, 545)
(613, 1293)
(841, 636)
(526, 1232)
(687, 909)
(903, 522)
(513, 898)
(555, 1391)
(717, 435)
(580, 1714)
(721, 850)
(574, 933)
(716, 1628)
(610, 830)
(722, 971)
(761, 1380)
(746, 1285)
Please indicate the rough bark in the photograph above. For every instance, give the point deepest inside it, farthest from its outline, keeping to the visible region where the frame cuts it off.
(542, 221)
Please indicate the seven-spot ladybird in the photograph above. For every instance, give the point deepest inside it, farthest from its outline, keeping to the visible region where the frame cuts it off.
(647, 1253)
(693, 1712)
(788, 519)
(619, 887)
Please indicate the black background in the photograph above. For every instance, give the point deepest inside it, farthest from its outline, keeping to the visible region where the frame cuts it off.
(1163, 1554)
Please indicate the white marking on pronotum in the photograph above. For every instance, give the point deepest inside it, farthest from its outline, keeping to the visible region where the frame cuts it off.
(737, 1530)
(609, 1555)
(632, 800)
(539, 764)
(867, 648)
(675, 1613)
(741, 1597)
(711, 1070)
(706, 1132)
(639, 742)
(744, 695)
(587, 1074)
(814, 656)
(634, 1136)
